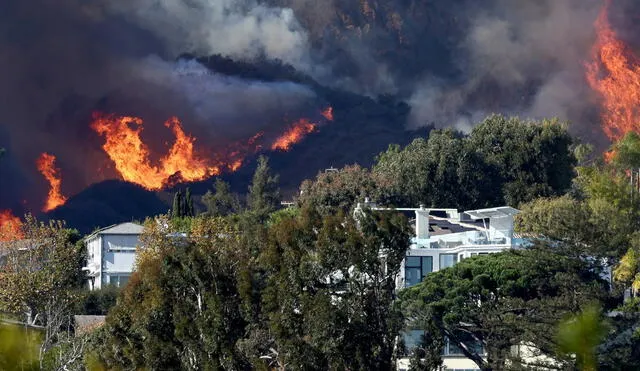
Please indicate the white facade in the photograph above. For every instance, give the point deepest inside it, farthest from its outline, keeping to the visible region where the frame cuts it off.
(447, 236)
(442, 238)
(111, 255)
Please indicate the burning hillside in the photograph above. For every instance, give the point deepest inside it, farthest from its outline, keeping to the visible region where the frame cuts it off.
(384, 66)
(615, 75)
(182, 163)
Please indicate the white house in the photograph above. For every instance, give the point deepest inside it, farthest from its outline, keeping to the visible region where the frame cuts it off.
(111, 253)
(442, 238)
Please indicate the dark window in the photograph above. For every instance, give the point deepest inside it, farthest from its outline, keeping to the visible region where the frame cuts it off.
(415, 268)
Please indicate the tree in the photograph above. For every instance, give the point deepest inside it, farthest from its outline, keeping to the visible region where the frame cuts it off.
(427, 356)
(533, 159)
(178, 205)
(594, 226)
(40, 277)
(330, 286)
(502, 161)
(182, 309)
(264, 193)
(496, 301)
(188, 204)
(222, 202)
(341, 189)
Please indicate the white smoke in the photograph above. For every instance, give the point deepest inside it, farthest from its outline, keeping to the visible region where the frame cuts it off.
(241, 29)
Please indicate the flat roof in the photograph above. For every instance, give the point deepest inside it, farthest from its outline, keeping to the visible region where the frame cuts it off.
(492, 212)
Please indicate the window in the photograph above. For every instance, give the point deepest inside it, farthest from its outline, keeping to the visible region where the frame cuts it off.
(448, 260)
(415, 268)
(119, 280)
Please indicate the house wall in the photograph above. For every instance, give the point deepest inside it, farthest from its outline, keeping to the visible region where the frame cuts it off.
(94, 259)
(119, 256)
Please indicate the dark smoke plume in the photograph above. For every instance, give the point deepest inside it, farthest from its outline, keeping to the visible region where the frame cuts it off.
(61, 60)
(454, 60)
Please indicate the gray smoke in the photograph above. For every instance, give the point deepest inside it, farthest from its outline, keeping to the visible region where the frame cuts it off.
(454, 61)
(520, 58)
(59, 61)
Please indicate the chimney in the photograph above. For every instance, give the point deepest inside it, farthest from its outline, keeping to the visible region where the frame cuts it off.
(422, 223)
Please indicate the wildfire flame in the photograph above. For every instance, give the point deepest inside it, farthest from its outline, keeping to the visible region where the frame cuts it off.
(299, 130)
(46, 166)
(131, 156)
(10, 226)
(615, 74)
(328, 113)
(294, 134)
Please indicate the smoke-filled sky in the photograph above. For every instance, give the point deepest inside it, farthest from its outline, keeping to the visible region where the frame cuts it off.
(454, 61)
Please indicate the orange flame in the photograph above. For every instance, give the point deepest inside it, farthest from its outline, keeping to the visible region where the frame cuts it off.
(294, 134)
(328, 113)
(46, 166)
(131, 156)
(10, 226)
(615, 74)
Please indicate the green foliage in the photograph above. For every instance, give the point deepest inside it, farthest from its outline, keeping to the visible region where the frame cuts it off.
(502, 161)
(532, 159)
(264, 193)
(593, 226)
(581, 334)
(626, 152)
(427, 355)
(18, 348)
(182, 205)
(97, 302)
(499, 300)
(340, 189)
(223, 202)
(178, 205)
(327, 299)
(188, 204)
(182, 308)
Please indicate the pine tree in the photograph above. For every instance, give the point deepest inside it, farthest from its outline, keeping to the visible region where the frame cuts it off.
(223, 202)
(264, 192)
(176, 210)
(188, 204)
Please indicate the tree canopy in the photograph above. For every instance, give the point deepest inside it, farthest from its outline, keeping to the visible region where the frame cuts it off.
(490, 303)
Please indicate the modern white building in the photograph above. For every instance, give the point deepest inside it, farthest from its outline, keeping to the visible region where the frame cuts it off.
(111, 253)
(446, 236)
(442, 238)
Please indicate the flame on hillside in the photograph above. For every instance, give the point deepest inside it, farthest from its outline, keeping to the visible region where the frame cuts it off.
(131, 155)
(293, 135)
(615, 74)
(328, 113)
(182, 163)
(47, 167)
(10, 226)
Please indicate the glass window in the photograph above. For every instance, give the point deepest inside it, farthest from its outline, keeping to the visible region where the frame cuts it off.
(415, 268)
(412, 276)
(427, 265)
(448, 260)
(413, 261)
